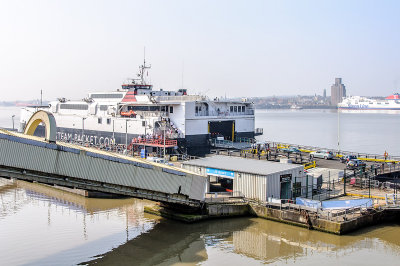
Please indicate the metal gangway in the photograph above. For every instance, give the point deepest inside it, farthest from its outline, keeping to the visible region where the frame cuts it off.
(241, 144)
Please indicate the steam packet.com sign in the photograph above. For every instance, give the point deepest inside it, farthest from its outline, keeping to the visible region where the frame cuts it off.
(220, 173)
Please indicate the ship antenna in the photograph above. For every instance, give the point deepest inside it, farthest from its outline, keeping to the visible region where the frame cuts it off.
(143, 67)
(144, 63)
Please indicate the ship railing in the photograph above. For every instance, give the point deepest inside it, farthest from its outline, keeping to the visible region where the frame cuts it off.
(259, 131)
(224, 113)
(181, 98)
(167, 142)
(151, 113)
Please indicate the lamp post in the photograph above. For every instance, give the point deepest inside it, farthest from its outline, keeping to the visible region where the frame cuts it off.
(12, 117)
(126, 134)
(83, 128)
(145, 132)
(338, 132)
(164, 123)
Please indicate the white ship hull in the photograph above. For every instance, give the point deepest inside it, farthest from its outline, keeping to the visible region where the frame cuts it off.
(362, 103)
(136, 111)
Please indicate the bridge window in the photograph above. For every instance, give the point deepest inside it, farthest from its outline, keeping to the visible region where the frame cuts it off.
(99, 120)
(103, 107)
(74, 106)
(144, 108)
(243, 109)
(235, 109)
(108, 121)
(106, 95)
(231, 109)
(171, 109)
(239, 109)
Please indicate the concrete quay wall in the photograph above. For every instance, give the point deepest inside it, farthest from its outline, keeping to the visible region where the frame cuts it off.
(307, 220)
(221, 210)
(315, 223)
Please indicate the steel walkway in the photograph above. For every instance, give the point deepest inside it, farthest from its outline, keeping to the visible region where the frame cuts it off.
(227, 144)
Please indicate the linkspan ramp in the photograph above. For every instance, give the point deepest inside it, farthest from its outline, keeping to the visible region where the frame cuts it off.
(33, 159)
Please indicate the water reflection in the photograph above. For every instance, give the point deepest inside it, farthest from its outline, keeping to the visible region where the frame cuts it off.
(43, 226)
(249, 241)
(173, 242)
(49, 226)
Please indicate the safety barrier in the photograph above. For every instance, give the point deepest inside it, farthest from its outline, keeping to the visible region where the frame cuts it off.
(339, 153)
(157, 142)
(392, 200)
(309, 165)
(225, 197)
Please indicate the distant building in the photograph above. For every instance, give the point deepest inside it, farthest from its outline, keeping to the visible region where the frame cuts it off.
(324, 93)
(338, 91)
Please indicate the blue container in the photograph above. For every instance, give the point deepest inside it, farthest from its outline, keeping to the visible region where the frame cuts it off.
(143, 153)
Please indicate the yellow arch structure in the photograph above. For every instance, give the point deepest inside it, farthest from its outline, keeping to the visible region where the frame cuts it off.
(48, 120)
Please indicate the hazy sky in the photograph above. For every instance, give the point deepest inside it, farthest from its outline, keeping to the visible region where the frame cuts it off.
(237, 48)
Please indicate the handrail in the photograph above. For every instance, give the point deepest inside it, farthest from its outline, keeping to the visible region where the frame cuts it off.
(168, 142)
(339, 153)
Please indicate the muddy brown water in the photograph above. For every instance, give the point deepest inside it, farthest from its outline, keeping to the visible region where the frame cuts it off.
(40, 225)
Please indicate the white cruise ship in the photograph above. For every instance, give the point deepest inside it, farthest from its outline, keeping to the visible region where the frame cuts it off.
(137, 113)
(391, 102)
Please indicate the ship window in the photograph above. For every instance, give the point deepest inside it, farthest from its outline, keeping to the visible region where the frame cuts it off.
(108, 121)
(143, 123)
(239, 109)
(106, 95)
(197, 109)
(171, 109)
(74, 106)
(231, 109)
(243, 109)
(99, 120)
(235, 109)
(386, 103)
(103, 107)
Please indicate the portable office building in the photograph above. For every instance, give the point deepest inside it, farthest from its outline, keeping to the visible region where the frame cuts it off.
(256, 179)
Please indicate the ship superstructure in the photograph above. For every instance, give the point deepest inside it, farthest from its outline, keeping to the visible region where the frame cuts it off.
(391, 102)
(136, 111)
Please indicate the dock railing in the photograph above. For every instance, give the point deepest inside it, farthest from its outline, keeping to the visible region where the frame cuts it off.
(225, 197)
(337, 215)
(347, 214)
(339, 153)
(392, 200)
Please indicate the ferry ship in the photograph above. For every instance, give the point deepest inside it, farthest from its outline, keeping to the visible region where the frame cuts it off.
(136, 113)
(391, 102)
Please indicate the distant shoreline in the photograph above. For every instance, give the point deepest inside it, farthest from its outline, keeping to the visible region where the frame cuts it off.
(284, 107)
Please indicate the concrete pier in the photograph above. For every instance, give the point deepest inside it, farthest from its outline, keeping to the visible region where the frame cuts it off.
(297, 218)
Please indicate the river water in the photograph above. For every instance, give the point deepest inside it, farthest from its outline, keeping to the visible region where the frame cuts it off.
(363, 132)
(40, 225)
